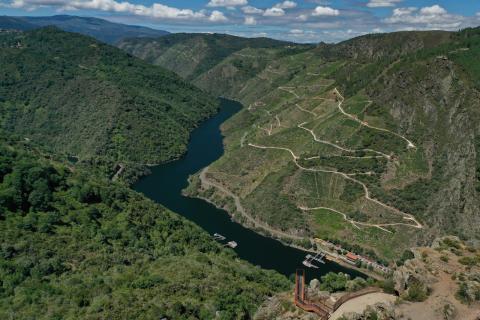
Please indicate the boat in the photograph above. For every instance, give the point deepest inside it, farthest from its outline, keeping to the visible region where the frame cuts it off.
(232, 244)
(218, 236)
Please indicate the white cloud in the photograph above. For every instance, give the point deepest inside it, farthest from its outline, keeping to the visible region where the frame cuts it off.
(251, 10)
(404, 11)
(433, 10)
(296, 31)
(302, 17)
(227, 3)
(217, 16)
(325, 11)
(382, 3)
(156, 10)
(274, 12)
(433, 17)
(278, 10)
(250, 21)
(286, 5)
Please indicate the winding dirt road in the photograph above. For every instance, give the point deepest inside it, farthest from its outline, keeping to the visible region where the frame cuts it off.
(363, 123)
(301, 126)
(238, 204)
(406, 216)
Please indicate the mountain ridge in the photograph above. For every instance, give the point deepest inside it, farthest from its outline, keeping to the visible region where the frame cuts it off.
(102, 30)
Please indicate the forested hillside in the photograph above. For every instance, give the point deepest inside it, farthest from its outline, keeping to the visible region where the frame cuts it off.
(74, 246)
(372, 141)
(190, 55)
(80, 97)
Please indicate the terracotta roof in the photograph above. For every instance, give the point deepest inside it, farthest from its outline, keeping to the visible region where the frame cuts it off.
(351, 256)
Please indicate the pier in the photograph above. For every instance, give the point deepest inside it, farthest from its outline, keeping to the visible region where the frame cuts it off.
(309, 259)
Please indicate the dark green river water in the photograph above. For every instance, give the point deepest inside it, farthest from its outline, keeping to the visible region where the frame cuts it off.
(165, 186)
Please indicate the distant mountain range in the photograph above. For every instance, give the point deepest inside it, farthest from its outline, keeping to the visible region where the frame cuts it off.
(100, 29)
(192, 54)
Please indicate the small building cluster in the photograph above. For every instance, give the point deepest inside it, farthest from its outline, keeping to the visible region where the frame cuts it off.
(355, 259)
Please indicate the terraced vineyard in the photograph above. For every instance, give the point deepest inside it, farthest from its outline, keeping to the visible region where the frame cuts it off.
(350, 147)
(305, 169)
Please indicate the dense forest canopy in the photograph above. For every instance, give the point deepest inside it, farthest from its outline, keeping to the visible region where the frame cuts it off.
(75, 246)
(84, 98)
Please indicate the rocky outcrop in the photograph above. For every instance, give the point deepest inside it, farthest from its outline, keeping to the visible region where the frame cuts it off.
(412, 272)
(433, 102)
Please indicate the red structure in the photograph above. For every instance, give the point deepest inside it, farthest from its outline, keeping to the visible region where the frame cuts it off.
(301, 300)
(352, 257)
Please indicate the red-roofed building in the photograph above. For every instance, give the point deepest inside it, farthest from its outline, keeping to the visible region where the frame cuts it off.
(352, 257)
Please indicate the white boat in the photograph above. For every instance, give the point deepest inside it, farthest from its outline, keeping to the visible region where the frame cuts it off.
(232, 244)
(218, 236)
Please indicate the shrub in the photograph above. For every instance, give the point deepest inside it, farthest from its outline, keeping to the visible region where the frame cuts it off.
(388, 286)
(333, 282)
(416, 292)
(407, 255)
(470, 261)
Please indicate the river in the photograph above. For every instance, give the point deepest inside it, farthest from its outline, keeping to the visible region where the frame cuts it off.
(167, 181)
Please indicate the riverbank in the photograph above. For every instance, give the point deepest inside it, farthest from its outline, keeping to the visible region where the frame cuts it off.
(249, 222)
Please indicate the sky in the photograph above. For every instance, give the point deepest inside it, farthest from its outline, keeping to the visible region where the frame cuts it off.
(293, 20)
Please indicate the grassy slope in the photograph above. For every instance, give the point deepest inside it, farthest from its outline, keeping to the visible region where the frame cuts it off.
(75, 246)
(415, 92)
(81, 97)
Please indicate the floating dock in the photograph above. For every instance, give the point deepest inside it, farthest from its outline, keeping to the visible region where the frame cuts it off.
(308, 264)
(309, 259)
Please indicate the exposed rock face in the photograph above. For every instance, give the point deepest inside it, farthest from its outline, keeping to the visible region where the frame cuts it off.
(413, 271)
(315, 284)
(439, 110)
(281, 308)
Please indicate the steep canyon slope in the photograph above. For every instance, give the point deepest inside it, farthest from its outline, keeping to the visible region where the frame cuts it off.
(81, 97)
(372, 141)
